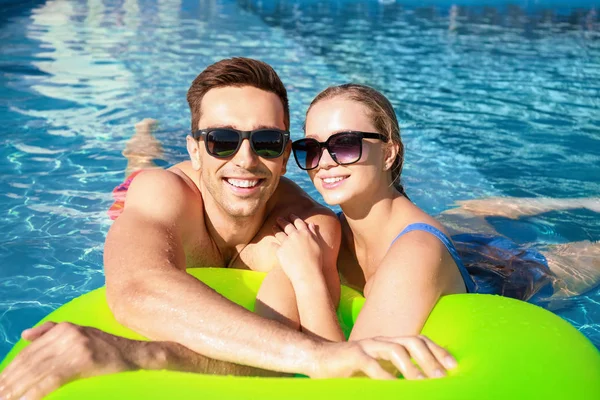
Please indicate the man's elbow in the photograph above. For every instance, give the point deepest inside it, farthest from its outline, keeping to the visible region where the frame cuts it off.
(123, 299)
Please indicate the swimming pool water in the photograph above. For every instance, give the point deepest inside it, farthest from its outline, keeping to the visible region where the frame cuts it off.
(494, 99)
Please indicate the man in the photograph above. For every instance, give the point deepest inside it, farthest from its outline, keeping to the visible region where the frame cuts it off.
(216, 210)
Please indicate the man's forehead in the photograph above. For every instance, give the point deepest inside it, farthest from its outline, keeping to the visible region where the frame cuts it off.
(243, 108)
(232, 126)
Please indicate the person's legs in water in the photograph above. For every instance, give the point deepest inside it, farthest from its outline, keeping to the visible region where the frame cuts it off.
(142, 148)
(517, 207)
(575, 266)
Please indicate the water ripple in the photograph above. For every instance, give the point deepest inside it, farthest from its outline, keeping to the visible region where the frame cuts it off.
(499, 100)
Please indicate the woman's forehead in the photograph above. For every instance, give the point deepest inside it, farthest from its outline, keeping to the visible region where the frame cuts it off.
(338, 114)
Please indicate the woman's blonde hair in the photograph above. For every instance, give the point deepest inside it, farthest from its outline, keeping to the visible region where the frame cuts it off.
(382, 116)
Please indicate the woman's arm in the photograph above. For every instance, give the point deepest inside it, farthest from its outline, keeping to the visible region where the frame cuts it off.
(414, 273)
(276, 299)
(308, 259)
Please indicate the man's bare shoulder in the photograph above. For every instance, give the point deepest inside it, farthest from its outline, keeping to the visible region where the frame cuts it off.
(291, 198)
(162, 195)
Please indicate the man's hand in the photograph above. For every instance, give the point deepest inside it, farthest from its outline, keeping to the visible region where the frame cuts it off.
(369, 356)
(61, 353)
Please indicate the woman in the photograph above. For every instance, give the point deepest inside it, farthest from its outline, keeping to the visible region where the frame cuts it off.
(391, 250)
(400, 257)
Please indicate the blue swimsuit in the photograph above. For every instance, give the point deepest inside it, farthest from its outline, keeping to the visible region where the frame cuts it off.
(500, 266)
(495, 264)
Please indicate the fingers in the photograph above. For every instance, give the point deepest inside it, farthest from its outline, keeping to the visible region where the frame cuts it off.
(44, 387)
(432, 358)
(293, 225)
(440, 353)
(397, 355)
(32, 365)
(32, 334)
(373, 370)
(425, 359)
(63, 353)
(286, 226)
(279, 234)
(313, 229)
(298, 222)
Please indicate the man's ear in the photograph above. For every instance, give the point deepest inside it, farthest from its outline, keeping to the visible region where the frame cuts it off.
(193, 148)
(286, 156)
(390, 155)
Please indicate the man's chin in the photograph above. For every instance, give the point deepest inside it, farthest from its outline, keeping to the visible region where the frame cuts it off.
(242, 208)
(243, 213)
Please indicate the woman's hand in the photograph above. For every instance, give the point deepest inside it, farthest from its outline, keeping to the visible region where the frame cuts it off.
(301, 258)
(299, 252)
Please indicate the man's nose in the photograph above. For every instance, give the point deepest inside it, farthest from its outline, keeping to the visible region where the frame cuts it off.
(245, 157)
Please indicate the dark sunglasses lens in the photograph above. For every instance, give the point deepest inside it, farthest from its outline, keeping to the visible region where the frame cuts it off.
(346, 148)
(307, 153)
(268, 144)
(222, 142)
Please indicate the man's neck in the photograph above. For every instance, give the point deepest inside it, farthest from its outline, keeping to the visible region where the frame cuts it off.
(230, 234)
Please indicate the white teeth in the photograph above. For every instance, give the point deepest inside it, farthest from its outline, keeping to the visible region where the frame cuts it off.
(333, 180)
(243, 183)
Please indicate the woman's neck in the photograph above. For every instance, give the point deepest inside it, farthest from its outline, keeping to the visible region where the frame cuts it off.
(367, 217)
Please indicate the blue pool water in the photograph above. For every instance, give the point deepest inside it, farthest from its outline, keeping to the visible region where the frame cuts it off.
(495, 99)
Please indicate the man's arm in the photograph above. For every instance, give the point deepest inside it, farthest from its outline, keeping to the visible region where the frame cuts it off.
(61, 353)
(149, 291)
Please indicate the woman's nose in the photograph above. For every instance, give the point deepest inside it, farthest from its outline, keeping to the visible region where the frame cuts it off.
(326, 159)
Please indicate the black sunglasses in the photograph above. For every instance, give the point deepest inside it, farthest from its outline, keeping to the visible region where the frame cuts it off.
(344, 147)
(225, 142)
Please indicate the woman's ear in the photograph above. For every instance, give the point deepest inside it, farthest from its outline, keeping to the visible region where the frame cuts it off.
(194, 152)
(391, 153)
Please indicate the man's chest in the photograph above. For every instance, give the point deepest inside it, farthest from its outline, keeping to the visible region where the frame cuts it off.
(256, 256)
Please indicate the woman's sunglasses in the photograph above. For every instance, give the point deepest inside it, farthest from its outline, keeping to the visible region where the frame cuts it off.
(344, 147)
(225, 142)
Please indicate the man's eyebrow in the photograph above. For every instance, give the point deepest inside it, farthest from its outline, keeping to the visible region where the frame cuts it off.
(218, 126)
(254, 128)
(266, 127)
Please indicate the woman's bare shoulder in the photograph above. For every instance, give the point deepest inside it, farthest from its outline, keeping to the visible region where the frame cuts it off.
(411, 214)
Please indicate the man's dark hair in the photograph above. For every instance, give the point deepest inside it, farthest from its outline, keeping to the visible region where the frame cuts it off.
(237, 72)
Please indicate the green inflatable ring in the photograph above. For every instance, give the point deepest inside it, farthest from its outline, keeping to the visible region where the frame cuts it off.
(506, 349)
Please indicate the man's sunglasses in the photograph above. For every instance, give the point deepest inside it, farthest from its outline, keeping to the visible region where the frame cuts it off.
(225, 142)
(344, 147)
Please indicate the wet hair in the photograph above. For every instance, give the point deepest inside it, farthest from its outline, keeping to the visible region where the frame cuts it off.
(382, 116)
(236, 72)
